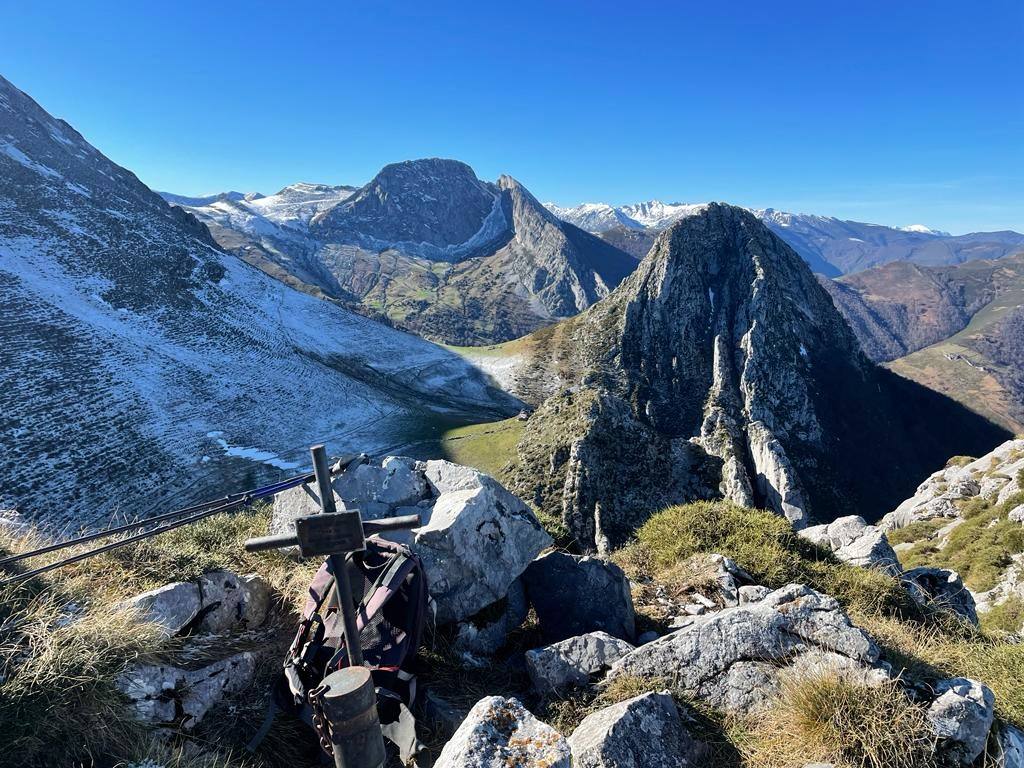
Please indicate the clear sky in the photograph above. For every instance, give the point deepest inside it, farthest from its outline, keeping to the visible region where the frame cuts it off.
(897, 112)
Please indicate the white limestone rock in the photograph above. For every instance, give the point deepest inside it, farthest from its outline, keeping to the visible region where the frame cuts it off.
(643, 732)
(733, 658)
(171, 607)
(573, 661)
(853, 541)
(502, 733)
(961, 716)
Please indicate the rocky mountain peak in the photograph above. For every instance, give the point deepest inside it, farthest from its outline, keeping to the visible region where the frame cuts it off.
(433, 208)
(731, 374)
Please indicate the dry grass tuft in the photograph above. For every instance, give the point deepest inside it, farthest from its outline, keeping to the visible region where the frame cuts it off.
(831, 718)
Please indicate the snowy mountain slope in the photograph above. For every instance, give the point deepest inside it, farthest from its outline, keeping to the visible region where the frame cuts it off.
(433, 249)
(601, 217)
(831, 246)
(144, 366)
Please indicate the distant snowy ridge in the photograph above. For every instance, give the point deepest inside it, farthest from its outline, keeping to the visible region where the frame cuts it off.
(601, 217)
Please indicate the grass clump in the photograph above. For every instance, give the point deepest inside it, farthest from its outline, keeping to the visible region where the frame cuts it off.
(927, 653)
(1007, 617)
(833, 718)
(766, 546)
(916, 531)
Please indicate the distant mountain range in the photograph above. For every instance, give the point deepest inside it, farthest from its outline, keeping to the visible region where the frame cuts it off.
(145, 366)
(831, 246)
(425, 245)
(956, 328)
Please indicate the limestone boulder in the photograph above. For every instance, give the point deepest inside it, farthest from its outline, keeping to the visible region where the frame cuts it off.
(573, 661)
(643, 732)
(961, 716)
(474, 543)
(733, 659)
(1011, 747)
(485, 634)
(163, 694)
(502, 733)
(574, 595)
(853, 541)
(172, 607)
(230, 600)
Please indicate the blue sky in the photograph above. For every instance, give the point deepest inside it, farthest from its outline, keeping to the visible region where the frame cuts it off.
(895, 112)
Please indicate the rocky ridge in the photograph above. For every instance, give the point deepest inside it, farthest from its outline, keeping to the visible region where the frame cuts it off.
(720, 368)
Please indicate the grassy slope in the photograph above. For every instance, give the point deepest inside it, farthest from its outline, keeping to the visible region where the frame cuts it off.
(486, 447)
(978, 389)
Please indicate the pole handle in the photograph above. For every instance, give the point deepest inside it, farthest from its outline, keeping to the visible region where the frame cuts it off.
(263, 543)
(391, 524)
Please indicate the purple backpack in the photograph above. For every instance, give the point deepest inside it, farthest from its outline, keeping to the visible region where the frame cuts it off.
(390, 590)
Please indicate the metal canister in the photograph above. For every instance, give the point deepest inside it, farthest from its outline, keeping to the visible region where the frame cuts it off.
(349, 704)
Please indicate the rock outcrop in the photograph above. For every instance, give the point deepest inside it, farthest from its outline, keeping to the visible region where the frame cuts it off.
(164, 694)
(992, 478)
(642, 732)
(942, 589)
(217, 601)
(475, 539)
(575, 595)
(502, 733)
(732, 659)
(721, 368)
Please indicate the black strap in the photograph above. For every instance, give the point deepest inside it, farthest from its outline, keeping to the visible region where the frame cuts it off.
(268, 722)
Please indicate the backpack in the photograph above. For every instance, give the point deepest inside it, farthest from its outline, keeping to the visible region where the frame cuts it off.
(390, 590)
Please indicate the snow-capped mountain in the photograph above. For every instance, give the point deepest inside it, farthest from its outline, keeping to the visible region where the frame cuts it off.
(144, 366)
(922, 229)
(831, 246)
(601, 217)
(432, 248)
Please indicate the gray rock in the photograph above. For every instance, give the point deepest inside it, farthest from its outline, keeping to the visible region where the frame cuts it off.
(172, 607)
(753, 593)
(961, 717)
(395, 483)
(485, 638)
(229, 600)
(296, 502)
(445, 476)
(643, 732)
(853, 541)
(647, 637)
(1011, 747)
(733, 658)
(573, 661)
(501, 733)
(575, 595)
(206, 687)
(941, 588)
(1016, 514)
(443, 716)
(474, 545)
(164, 694)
